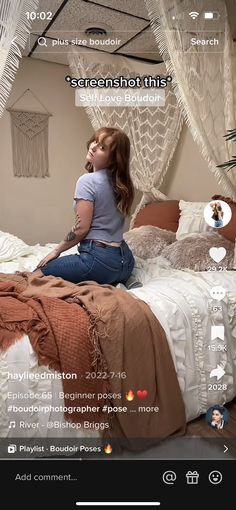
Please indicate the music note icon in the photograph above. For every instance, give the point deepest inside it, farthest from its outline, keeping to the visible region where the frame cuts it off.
(12, 424)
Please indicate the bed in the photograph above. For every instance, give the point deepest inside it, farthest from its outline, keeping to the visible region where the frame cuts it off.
(182, 302)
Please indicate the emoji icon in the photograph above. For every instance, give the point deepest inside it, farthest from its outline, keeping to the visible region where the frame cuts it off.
(217, 254)
(129, 395)
(108, 449)
(215, 477)
(142, 394)
(217, 292)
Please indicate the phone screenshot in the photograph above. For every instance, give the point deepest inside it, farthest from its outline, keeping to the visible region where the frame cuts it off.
(117, 252)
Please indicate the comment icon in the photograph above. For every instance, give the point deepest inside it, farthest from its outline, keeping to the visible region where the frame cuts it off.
(217, 292)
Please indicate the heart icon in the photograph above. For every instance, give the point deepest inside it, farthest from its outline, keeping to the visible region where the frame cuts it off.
(217, 254)
(142, 394)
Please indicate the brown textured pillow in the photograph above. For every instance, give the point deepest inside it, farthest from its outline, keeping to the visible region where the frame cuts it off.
(192, 252)
(229, 231)
(147, 241)
(164, 215)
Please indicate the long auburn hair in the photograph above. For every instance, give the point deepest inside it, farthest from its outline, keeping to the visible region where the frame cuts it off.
(118, 166)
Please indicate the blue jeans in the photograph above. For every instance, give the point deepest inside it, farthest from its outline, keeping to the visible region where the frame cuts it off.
(108, 265)
(218, 223)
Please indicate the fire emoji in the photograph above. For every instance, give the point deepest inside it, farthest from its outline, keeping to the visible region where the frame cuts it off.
(108, 449)
(129, 395)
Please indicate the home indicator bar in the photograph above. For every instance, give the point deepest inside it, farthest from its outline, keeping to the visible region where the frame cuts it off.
(118, 503)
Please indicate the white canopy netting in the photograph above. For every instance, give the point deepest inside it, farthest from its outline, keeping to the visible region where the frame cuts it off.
(153, 131)
(204, 75)
(14, 32)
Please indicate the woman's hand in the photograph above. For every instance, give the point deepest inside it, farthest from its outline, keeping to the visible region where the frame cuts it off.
(51, 256)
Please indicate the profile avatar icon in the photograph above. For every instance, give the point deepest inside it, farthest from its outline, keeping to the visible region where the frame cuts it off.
(217, 417)
(217, 214)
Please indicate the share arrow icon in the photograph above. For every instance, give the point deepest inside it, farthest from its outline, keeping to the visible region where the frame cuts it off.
(217, 372)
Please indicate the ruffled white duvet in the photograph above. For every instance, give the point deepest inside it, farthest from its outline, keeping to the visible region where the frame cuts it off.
(182, 303)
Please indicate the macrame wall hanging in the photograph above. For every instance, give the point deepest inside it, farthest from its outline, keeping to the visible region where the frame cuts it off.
(29, 132)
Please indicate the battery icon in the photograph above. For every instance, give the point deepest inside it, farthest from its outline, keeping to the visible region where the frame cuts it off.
(211, 15)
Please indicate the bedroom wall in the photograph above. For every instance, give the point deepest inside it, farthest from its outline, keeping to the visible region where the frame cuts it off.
(40, 210)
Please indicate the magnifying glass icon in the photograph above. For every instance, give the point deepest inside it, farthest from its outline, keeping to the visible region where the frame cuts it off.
(42, 41)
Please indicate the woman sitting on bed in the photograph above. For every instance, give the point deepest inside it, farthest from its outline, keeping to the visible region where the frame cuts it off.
(103, 197)
(217, 215)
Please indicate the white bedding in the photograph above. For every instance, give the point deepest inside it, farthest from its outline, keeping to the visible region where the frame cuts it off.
(182, 303)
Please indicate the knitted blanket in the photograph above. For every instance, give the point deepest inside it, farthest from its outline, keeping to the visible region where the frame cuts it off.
(95, 328)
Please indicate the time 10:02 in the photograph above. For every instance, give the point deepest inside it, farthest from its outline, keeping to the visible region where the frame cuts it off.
(38, 15)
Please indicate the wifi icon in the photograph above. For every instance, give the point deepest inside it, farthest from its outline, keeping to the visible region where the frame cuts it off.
(194, 14)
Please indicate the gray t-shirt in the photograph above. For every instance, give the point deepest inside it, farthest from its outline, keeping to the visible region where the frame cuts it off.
(107, 222)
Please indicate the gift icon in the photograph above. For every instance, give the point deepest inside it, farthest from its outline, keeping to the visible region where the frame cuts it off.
(192, 477)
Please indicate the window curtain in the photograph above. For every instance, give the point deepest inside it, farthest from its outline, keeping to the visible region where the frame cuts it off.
(203, 78)
(14, 31)
(153, 131)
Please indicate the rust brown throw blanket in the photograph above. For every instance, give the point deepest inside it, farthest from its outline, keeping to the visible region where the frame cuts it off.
(98, 328)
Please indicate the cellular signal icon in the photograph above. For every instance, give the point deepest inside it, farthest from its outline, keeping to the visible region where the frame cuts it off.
(194, 14)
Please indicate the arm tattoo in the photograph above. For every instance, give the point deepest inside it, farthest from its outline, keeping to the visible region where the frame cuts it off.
(70, 236)
(77, 223)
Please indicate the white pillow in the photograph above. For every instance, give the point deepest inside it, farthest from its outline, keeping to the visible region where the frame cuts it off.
(12, 247)
(191, 219)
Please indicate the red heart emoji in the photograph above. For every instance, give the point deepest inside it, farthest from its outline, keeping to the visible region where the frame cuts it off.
(142, 394)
